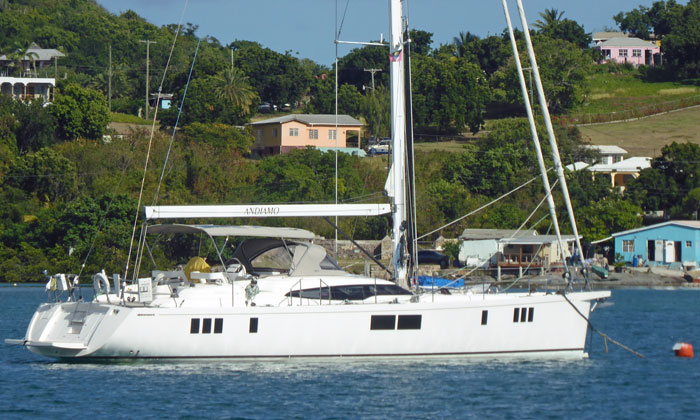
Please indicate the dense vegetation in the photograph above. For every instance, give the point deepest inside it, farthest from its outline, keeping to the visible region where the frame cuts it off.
(67, 198)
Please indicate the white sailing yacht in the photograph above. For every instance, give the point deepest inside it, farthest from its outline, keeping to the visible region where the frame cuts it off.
(282, 296)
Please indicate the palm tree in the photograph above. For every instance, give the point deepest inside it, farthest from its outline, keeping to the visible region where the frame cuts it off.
(551, 18)
(20, 55)
(232, 86)
(461, 43)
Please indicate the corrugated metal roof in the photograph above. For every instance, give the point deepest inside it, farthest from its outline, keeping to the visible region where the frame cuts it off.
(627, 42)
(537, 240)
(312, 119)
(607, 149)
(478, 234)
(694, 224)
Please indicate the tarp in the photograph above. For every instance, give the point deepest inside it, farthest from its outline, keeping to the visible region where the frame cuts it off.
(430, 281)
(196, 264)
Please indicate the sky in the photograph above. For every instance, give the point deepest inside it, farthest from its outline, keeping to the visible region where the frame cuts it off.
(306, 27)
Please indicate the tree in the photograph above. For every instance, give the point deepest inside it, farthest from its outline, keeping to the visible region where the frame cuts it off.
(221, 136)
(79, 112)
(449, 96)
(232, 86)
(563, 68)
(20, 55)
(680, 46)
(420, 41)
(666, 185)
(376, 110)
(45, 175)
(636, 22)
(550, 19)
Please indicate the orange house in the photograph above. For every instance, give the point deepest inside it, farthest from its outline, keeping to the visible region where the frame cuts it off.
(297, 131)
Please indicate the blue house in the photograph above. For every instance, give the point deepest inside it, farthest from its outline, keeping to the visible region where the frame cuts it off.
(676, 241)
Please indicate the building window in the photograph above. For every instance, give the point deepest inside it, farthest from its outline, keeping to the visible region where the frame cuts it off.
(294, 132)
(313, 134)
(636, 53)
(332, 135)
(607, 53)
(274, 132)
(627, 246)
(622, 53)
(688, 244)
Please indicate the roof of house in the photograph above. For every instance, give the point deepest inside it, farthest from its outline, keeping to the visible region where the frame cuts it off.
(42, 54)
(479, 234)
(577, 166)
(627, 42)
(312, 119)
(607, 149)
(634, 164)
(694, 224)
(537, 240)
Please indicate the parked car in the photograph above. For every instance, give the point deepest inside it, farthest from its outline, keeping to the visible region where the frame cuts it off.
(381, 148)
(267, 107)
(433, 257)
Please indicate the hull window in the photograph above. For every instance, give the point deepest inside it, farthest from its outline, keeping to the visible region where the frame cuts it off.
(206, 326)
(253, 328)
(194, 326)
(383, 322)
(516, 314)
(409, 322)
(218, 325)
(484, 317)
(523, 314)
(530, 314)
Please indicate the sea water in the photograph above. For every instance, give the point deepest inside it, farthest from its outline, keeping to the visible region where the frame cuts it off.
(612, 385)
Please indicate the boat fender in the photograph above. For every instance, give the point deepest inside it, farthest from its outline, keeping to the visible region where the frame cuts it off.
(100, 283)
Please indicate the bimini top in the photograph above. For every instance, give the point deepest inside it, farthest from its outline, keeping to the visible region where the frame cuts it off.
(255, 231)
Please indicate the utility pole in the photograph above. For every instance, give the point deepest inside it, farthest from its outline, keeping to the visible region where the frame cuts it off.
(148, 43)
(109, 84)
(372, 71)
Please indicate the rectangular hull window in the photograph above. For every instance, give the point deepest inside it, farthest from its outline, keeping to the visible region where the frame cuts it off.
(516, 314)
(206, 326)
(218, 325)
(194, 326)
(484, 317)
(383, 322)
(523, 314)
(531, 315)
(253, 328)
(409, 322)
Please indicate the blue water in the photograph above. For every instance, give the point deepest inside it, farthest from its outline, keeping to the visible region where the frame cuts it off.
(616, 385)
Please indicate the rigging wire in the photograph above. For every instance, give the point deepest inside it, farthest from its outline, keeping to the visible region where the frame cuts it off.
(533, 179)
(150, 143)
(602, 334)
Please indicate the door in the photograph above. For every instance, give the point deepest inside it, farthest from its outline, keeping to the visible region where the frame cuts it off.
(659, 251)
(670, 252)
(651, 254)
(678, 251)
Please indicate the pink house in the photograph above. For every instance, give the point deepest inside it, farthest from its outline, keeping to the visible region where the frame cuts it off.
(630, 50)
(297, 131)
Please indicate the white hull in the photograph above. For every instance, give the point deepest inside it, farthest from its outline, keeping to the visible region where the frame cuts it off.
(444, 328)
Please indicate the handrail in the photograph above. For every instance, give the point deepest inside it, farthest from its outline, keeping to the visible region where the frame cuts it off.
(321, 285)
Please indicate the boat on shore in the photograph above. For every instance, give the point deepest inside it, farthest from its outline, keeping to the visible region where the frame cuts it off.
(280, 295)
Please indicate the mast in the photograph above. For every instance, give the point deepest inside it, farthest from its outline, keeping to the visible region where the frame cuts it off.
(397, 179)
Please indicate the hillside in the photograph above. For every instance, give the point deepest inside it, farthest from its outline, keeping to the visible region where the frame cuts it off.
(646, 137)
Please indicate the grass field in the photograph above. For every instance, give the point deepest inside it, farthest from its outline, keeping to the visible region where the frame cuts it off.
(646, 137)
